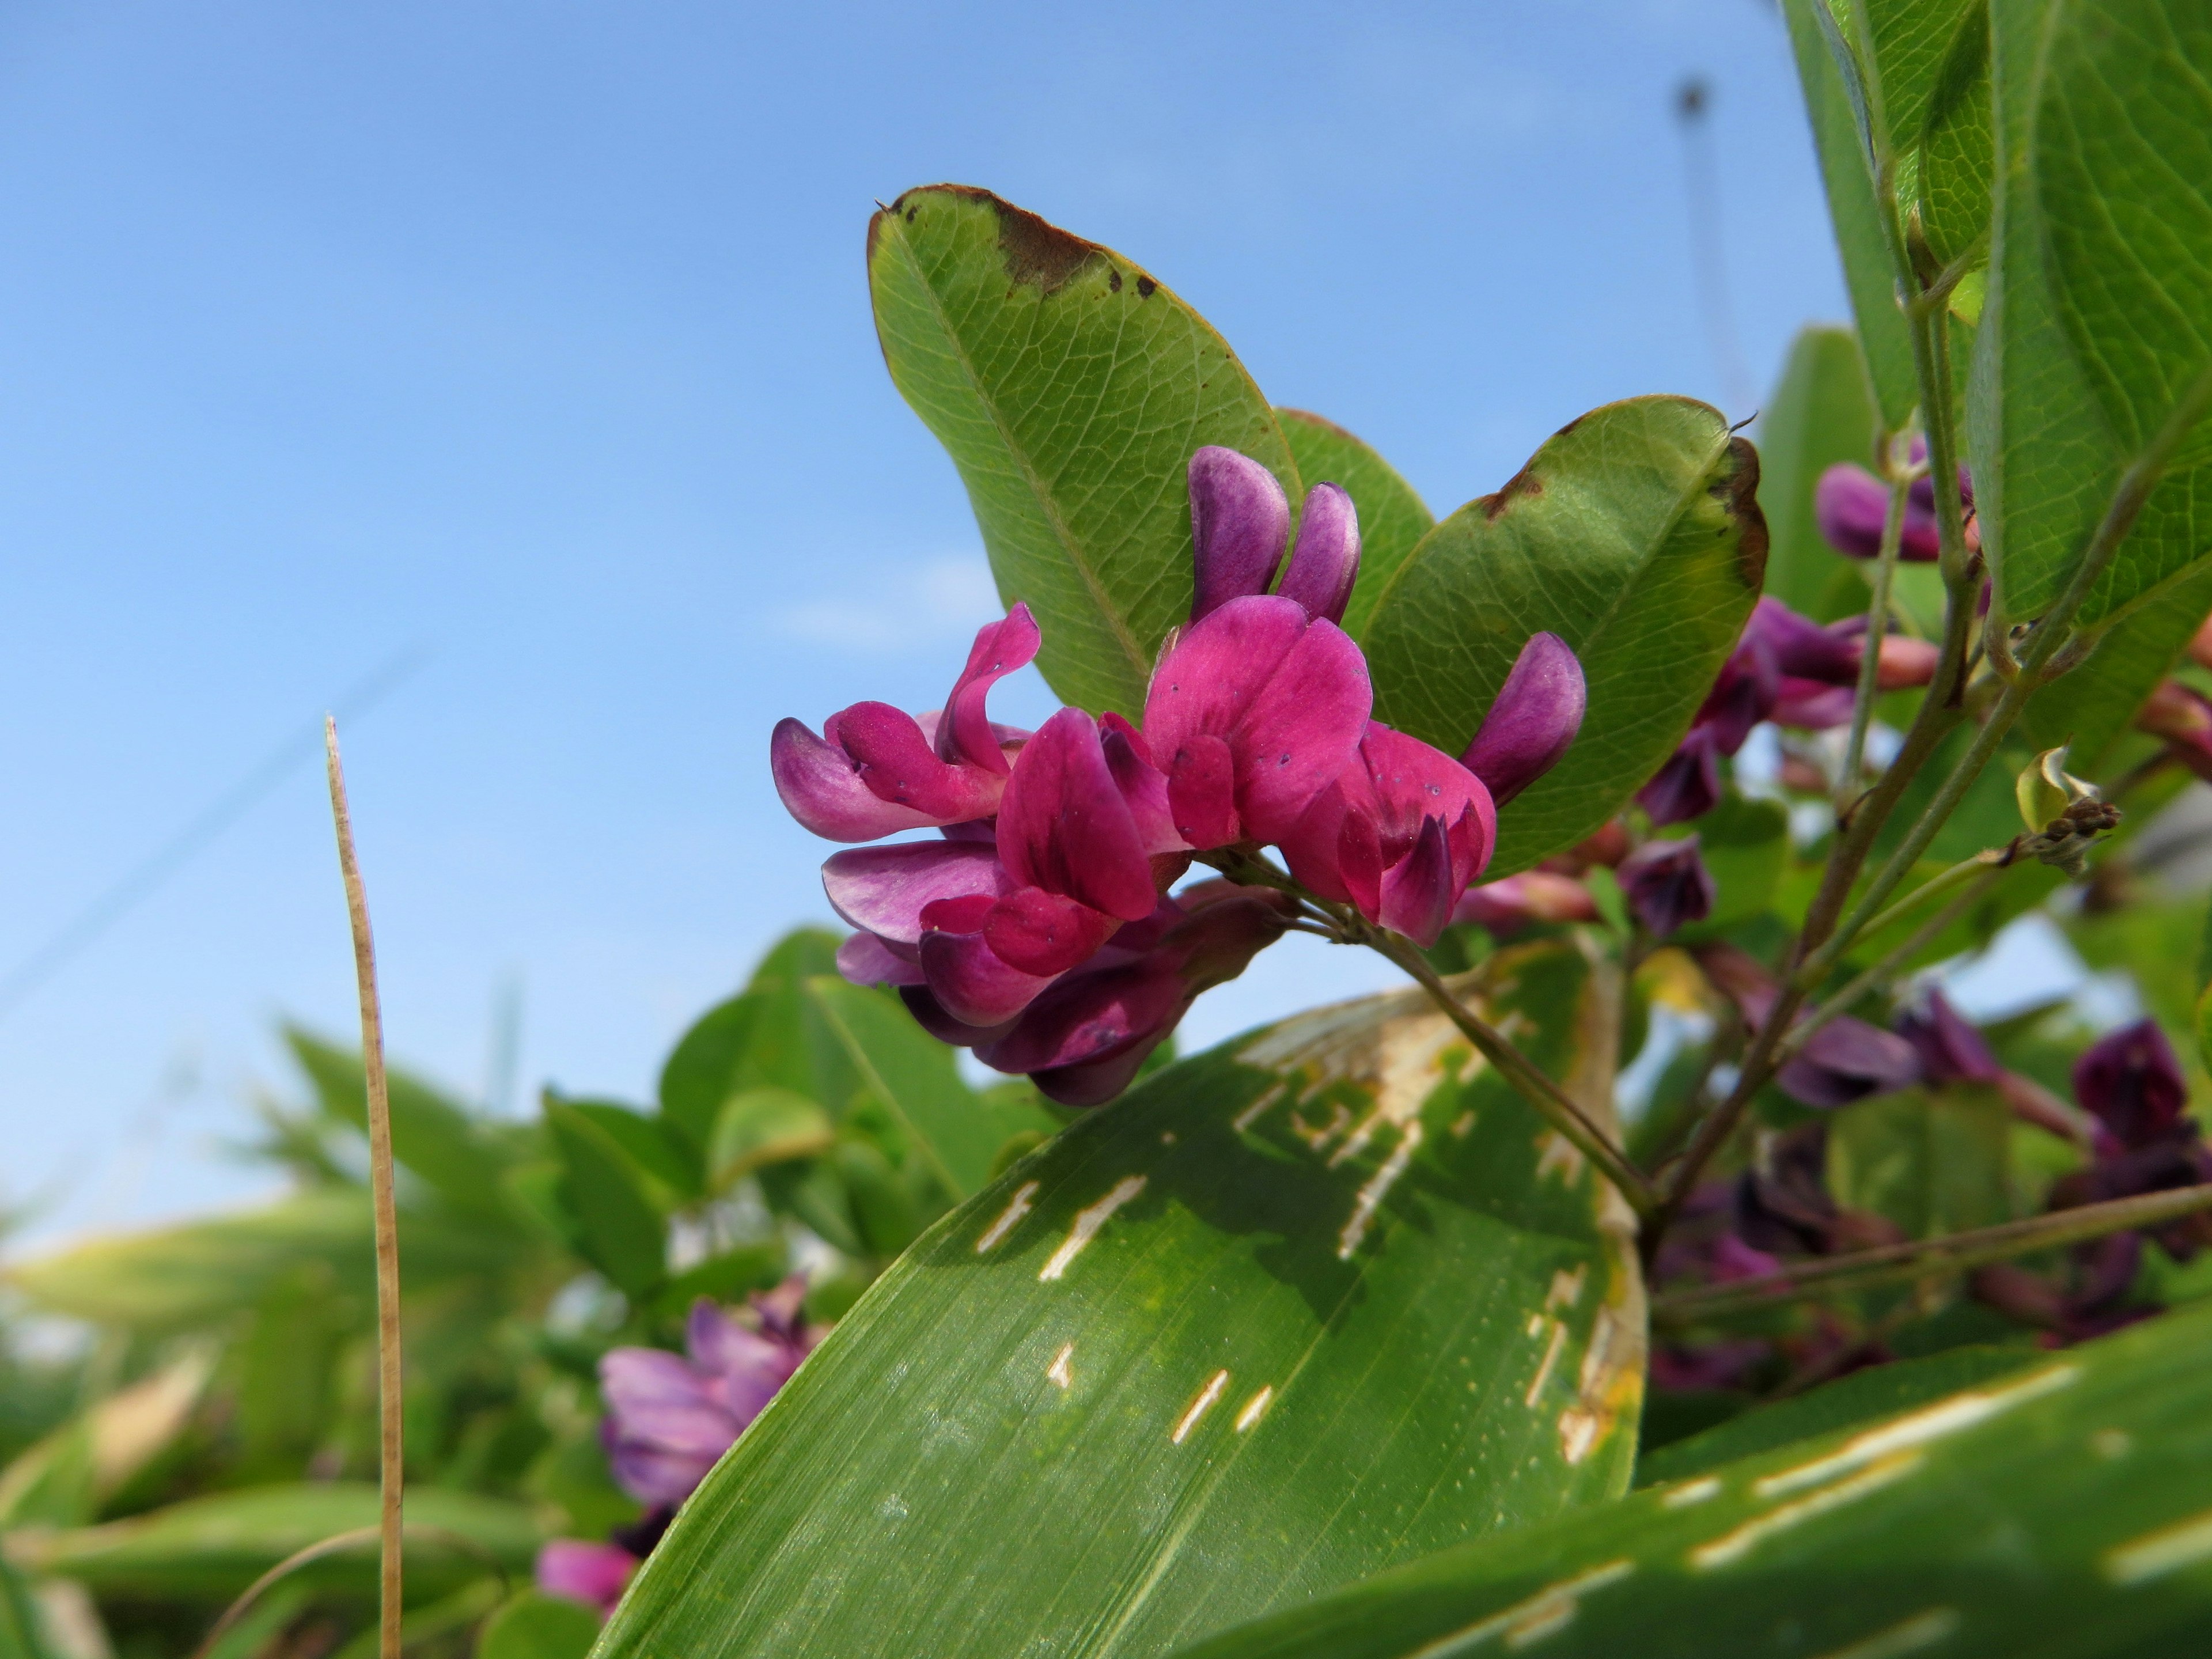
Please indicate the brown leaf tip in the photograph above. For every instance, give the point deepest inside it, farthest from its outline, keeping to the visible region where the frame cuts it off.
(1737, 490)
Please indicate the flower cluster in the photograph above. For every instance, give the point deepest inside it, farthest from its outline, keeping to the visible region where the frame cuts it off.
(1040, 929)
(670, 1417)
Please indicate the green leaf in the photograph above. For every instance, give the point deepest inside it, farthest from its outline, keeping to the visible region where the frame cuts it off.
(1904, 48)
(1957, 158)
(2122, 161)
(762, 1127)
(1393, 519)
(1877, 1391)
(2060, 1511)
(177, 1277)
(621, 1230)
(1072, 389)
(1934, 1161)
(2091, 706)
(648, 1144)
(1869, 275)
(210, 1548)
(698, 1075)
(534, 1625)
(1312, 1302)
(2046, 457)
(1635, 535)
(957, 1132)
(63, 1478)
(769, 1036)
(1822, 413)
(432, 1136)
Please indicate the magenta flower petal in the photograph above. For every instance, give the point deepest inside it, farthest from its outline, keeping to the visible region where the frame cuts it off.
(1532, 719)
(1288, 697)
(1743, 695)
(1688, 786)
(864, 959)
(1850, 504)
(1065, 827)
(1811, 705)
(884, 889)
(1043, 933)
(898, 764)
(2131, 1082)
(972, 982)
(821, 787)
(594, 1574)
(930, 1014)
(1418, 893)
(1326, 561)
(964, 731)
(1143, 786)
(1665, 885)
(1239, 520)
(1202, 793)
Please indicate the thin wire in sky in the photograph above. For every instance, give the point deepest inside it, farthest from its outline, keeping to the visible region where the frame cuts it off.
(1700, 178)
(145, 877)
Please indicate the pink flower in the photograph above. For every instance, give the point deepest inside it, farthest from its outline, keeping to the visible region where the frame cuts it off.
(1253, 711)
(1399, 833)
(876, 770)
(594, 1574)
(1506, 906)
(669, 1417)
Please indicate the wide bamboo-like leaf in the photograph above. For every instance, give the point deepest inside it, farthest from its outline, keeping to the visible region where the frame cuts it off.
(1635, 535)
(2061, 1509)
(2054, 363)
(1071, 387)
(532, 1624)
(957, 1132)
(1305, 1305)
(1822, 412)
(433, 1137)
(210, 1548)
(1869, 273)
(1865, 1395)
(1393, 518)
(62, 1478)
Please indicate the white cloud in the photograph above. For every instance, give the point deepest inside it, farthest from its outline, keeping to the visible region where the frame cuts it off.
(913, 605)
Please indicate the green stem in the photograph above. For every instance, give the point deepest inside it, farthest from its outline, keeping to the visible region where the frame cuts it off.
(1877, 625)
(1920, 1258)
(1546, 1096)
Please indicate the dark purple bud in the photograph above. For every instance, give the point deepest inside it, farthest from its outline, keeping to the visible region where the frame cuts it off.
(1532, 721)
(1742, 695)
(1666, 884)
(1848, 1059)
(1326, 561)
(1239, 520)
(1688, 786)
(1781, 1204)
(2132, 1084)
(1950, 1049)
(1800, 646)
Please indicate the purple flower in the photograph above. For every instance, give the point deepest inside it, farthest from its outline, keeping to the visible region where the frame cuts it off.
(669, 1417)
(1253, 711)
(876, 770)
(1083, 1038)
(2182, 716)
(1950, 1049)
(1239, 520)
(1850, 504)
(1506, 906)
(594, 1574)
(1846, 1060)
(1666, 884)
(1689, 785)
(1781, 1204)
(1399, 833)
(1532, 719)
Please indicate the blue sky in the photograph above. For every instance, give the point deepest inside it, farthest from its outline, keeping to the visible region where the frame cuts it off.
(537, 337)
